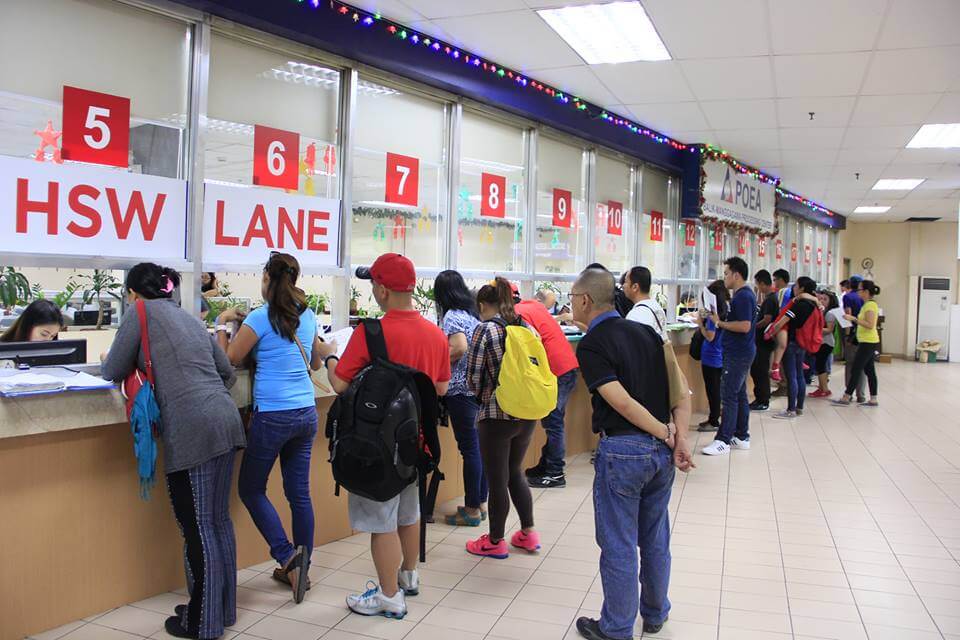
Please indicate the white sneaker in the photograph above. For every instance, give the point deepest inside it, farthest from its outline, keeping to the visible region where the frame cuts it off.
(372, 602)
(737, 443)
(410, 582)
(716, 448)
(785, 415)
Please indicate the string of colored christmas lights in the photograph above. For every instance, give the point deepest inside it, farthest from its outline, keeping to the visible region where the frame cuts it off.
(713, 153)
(783, 193)
(365, 19)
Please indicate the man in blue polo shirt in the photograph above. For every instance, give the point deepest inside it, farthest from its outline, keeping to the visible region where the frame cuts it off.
(851, 306)
(739, 350)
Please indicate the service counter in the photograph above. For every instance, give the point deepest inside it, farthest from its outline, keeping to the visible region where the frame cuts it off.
(76, 539)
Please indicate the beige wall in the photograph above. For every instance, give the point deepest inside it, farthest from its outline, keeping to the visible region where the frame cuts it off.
(901, 251)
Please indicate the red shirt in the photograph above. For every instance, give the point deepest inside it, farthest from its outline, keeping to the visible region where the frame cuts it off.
(411, 339)
(559, 352)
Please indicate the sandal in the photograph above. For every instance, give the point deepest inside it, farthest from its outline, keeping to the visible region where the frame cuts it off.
(298, 566)
(280, 576)
(462, 519)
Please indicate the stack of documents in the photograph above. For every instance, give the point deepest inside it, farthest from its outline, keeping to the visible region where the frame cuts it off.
(30, 383)
(48, 380)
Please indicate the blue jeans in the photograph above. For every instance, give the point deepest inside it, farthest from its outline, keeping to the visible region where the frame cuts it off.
(792, 365)
(735, 420)
(288, 435)
(463, 418)
(631, 490)
(554, 451)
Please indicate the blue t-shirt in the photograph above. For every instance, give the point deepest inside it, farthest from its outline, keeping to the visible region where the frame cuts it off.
(282, 381)
(743, 306)
(454, 322)
(787, 294)
(852, 300)
(711, 354)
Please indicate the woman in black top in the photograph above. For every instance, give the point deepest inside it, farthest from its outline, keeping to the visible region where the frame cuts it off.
(804, 303)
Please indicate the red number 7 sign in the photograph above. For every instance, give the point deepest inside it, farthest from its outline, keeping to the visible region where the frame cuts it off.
(403, 180)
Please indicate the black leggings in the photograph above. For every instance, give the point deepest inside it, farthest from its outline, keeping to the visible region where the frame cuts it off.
(711, 382)
(760, 372)
(503, 444)
(863, 364)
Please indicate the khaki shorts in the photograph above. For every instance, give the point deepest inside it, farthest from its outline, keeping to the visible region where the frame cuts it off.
(370, 516)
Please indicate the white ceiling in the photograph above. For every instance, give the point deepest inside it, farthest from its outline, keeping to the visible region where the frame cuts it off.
(745, 74)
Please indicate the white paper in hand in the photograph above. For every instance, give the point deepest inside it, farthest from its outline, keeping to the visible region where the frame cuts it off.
(837, 315)
(708, 301)
(341, 337)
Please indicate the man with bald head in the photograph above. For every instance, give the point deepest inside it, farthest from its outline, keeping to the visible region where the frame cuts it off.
(641, 409)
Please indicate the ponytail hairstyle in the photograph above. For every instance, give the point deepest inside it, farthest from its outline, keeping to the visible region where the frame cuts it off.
(38, 312)
(870, 287)
(151, 281)
(499, 294)
(285, 300)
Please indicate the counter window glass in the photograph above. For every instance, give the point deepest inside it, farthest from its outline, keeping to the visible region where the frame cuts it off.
(656, 249)
(716, 257)
(690, 256)
(561, 240)
(122, 51)
(615, 232)
(491, 202)
(399, 176)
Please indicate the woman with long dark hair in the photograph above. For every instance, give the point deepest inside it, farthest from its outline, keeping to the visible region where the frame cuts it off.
(282, 338)
(804, 303)
(39, 322)
(503, 438)
(823, 359)
(458, 319)
(711, 355)
(869, 340)
(201, 432)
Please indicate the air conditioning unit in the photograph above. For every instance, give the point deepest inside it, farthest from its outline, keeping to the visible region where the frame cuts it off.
(933, 312)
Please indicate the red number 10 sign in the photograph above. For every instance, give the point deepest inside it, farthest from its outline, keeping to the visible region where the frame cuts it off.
(614, 218)
(96, 127)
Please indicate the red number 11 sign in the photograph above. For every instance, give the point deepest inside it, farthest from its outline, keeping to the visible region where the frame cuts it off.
(656, 226)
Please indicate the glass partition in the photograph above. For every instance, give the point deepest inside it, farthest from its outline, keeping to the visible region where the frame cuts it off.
(615, 232)
(491, 201)
(561, 240)
(690, 250)
(657, 202)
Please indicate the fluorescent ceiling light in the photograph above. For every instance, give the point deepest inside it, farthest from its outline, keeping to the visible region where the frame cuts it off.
(898, 184)
(608, 33)
(871, 209)
(936, 136)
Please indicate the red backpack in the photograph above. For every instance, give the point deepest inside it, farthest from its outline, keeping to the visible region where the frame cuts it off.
(810, 335)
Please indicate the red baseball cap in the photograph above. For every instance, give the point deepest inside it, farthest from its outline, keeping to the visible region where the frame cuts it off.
(393, 271)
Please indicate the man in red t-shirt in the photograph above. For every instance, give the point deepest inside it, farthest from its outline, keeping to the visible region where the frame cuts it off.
(413, 341)
(548, 473)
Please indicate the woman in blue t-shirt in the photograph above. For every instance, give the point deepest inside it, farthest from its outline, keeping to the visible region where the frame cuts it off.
(281, 337)
(711, 356)
(458, 313)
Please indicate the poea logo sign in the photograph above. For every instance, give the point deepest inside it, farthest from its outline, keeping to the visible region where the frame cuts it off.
(745, 195)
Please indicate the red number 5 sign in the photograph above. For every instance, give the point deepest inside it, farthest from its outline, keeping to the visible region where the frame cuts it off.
(276, 155)
(493, 188)
(614, 218)
(403, 180)
(96, 127)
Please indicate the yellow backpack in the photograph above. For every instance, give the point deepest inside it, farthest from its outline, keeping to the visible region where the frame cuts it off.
(526, 388)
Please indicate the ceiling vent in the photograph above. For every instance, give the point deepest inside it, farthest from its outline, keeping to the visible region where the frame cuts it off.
(921, 219)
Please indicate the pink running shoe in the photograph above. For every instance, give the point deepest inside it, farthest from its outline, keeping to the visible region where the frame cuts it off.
(775, 374)
(483, 547)
(527, 541)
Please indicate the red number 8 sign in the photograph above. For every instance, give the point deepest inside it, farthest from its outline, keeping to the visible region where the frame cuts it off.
(276, 155)
(96, 127)
(492, 202)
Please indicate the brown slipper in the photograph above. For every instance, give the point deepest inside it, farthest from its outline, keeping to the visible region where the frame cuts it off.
(280, 576)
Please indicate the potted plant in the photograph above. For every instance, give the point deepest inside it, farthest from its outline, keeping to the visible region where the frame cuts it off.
(424, 299)
(14, 288)
(60, 299)
(354, 305)
(317, 302)
(100, 283)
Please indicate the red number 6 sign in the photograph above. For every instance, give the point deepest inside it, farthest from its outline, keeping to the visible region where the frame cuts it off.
(276, 155)
(96, 127)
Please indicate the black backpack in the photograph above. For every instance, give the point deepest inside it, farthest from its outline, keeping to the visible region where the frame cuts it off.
(382, 430)
(621, 302)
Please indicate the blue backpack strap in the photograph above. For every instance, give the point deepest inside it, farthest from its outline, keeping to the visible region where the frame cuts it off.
(376, 344)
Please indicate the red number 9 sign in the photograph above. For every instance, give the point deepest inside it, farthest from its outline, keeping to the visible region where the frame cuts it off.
(614, 218)
(96, 127)
(276, 155)
(562, 205)
(492, 202)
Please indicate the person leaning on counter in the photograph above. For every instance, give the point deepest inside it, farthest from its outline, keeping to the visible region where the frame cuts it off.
(201, 433)
(40, 321)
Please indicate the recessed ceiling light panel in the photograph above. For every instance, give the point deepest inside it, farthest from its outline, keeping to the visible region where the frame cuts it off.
(871, 209)
(898, 184)
(936, 136)
(608, 33)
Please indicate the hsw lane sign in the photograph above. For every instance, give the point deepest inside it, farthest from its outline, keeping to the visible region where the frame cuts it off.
(80, 210)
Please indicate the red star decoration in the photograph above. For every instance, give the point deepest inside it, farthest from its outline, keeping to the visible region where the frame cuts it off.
(48, 136)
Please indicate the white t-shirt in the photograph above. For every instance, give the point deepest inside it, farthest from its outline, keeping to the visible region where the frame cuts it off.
(650, 313)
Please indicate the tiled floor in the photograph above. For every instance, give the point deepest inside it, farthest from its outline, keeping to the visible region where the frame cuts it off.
(843, 524)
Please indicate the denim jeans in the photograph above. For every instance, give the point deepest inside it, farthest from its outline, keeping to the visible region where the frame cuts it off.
(554, 451)
(631, 490)
(288, 435)
(735, 420)
(793, 359)
(463, 411)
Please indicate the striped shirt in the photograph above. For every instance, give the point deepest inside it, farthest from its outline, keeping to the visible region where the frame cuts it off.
(483, 367)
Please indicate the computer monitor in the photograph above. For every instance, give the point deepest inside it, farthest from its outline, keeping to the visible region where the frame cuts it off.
(46, 352)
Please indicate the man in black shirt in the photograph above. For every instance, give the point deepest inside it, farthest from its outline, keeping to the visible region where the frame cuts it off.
(767, 309)
(643, 425)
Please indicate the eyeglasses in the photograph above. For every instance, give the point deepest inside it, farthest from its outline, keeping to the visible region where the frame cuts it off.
(572, 295)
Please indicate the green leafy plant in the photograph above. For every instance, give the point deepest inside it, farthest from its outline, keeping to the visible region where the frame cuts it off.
(224, 289)
(101, 283)
(354, 301)
(549, 286)
(318, 302)
(216, 307)
(61, 298)
(14, 287)
(424, 299)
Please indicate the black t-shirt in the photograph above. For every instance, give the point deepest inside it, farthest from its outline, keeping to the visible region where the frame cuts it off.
(798, 314)
(641, 370)
(767, 307)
